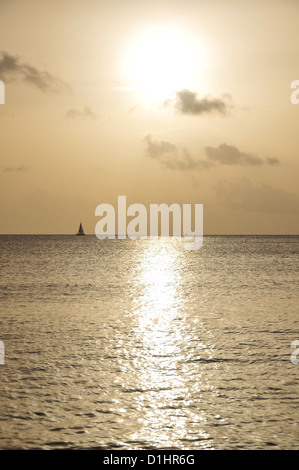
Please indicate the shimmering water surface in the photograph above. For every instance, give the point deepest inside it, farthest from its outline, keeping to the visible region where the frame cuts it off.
(141, 344)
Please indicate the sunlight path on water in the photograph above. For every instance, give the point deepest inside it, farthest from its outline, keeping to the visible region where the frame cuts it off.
(160, 353)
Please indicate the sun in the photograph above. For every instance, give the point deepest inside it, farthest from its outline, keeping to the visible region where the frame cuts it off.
(161, 59)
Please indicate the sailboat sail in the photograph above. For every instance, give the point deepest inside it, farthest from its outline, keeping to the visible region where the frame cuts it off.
(80, 231)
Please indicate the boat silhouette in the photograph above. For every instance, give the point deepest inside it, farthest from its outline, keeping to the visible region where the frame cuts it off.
(80, 231)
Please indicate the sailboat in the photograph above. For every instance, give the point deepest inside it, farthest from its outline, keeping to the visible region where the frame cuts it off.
(80, 231)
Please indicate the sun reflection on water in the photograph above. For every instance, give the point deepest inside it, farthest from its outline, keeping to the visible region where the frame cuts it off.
(166, 416)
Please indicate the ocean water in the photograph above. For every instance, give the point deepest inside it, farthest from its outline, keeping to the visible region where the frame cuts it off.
(122, 344)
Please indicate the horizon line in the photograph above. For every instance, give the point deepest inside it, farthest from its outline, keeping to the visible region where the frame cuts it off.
(159, 236)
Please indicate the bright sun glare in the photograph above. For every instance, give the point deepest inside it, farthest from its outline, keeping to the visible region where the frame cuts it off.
(162, 59)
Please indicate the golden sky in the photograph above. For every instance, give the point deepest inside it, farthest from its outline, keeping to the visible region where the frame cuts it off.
(162, 101)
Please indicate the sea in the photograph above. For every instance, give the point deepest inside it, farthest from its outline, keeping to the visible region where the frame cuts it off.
(142, 344)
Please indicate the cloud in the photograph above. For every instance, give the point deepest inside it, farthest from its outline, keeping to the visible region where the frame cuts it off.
(264, 198)
(273, 161)
(86, 113)
(178, 158)
(230, 155)
(189, 103)
(135, 108)
(172, 157)
(11, 68)
(19, 168)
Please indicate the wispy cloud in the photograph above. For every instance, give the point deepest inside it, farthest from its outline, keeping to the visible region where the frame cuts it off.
(273, 161)
(226, 154)
(190, 103)
(135, 108)
(231, 155)
(85, 113)
(178, 158)
(12, 68)
(15, 169)
(172, 157)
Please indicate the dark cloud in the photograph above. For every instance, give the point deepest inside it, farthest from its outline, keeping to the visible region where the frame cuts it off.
(230, 155)
(11, 68)
(178, 158)
(85, 113)
(264, 198)
(273, 161)
(18, 168)
(172, 157)
(189, 103)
